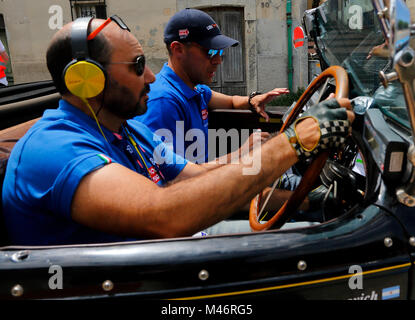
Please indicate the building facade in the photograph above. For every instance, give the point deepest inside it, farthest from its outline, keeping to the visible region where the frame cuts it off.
(259, 63)
(263, 27)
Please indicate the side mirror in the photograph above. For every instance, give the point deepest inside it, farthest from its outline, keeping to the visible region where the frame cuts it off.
(400, 27)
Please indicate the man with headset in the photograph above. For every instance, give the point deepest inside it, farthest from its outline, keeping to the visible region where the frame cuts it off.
(73, 177)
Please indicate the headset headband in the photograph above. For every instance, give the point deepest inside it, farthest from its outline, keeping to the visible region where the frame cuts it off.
(79, 37)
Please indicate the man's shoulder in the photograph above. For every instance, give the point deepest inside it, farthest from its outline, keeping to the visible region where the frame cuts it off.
(203, 88)
(139, 127)
(55, 120)
(162, 88)
(163, 96)
(55, 132)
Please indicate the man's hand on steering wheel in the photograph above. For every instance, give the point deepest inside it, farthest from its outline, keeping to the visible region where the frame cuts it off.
(321, 127)
(325, 125)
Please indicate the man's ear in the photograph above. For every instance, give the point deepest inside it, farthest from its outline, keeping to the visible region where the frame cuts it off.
(177, 48)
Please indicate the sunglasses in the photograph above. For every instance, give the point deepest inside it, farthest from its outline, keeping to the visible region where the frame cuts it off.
(213, 52)
(114, 18)
(209, 52)
(140, 64)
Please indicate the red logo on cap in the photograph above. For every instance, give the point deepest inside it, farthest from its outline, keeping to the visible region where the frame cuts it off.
(210, 27)
(183, 33)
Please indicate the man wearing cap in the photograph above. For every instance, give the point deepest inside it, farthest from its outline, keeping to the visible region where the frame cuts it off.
(179, 99)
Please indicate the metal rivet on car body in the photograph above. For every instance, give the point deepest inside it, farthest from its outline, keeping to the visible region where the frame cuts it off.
(388, 242)
(301, 265)
(107, 285)
(412, 241)
(17, 291)
(203, 275)
(20, 256)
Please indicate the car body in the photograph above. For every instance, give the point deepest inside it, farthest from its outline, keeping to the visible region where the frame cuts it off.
(364, 250)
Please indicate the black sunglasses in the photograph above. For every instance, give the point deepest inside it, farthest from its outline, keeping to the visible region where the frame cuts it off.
(140, 64)
(119, 21)
(114, 18)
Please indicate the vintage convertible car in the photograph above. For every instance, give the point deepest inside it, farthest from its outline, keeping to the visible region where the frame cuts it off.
(363, 246)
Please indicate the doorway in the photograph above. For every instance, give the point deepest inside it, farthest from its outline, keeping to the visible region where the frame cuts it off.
(230, 77)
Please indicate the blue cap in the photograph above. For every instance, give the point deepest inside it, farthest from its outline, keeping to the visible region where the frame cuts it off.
(192, 25)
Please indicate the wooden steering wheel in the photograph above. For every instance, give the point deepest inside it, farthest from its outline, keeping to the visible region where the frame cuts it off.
(314, 169)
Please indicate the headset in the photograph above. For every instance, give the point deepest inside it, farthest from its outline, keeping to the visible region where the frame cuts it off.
(84, 77)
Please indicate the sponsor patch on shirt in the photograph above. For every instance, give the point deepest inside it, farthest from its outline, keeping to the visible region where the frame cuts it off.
(153, 174)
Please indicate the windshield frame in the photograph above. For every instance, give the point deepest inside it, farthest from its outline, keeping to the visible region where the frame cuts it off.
(363, 62)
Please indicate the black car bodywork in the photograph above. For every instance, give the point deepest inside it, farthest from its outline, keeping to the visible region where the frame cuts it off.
(364, 250)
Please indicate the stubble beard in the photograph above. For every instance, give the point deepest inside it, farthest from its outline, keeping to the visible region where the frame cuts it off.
(119, 100)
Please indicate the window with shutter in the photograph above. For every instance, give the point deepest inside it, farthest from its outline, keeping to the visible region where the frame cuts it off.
(88, 8)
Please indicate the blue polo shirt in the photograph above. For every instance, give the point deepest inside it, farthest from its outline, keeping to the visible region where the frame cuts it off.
(47, 164)
(179, 115)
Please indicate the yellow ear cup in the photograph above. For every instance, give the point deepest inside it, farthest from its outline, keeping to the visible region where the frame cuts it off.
(84, 79)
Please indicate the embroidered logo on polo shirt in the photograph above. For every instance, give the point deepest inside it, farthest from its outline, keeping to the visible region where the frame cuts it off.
(153, 174)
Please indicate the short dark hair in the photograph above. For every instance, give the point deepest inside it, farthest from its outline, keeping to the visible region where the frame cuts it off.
(168, 48)
(59, 55)
(169, 44)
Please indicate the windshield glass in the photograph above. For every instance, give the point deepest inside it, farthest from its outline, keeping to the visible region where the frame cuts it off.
(350, 36)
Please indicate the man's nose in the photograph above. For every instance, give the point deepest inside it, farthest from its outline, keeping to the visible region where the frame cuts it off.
(149, 76)
(216, 59)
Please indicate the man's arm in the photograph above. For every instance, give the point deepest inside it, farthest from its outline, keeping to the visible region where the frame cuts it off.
(222, 101)
(255, 139)
(117, 200)
(139, 208)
